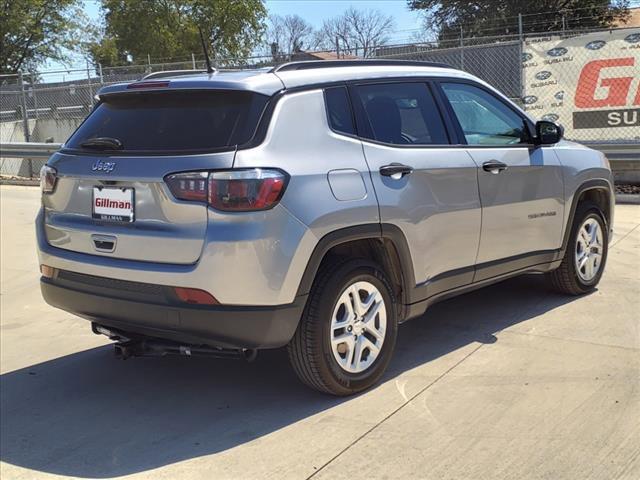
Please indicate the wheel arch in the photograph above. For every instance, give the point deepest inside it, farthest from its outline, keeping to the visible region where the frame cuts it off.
(383, 243)
(597, 191)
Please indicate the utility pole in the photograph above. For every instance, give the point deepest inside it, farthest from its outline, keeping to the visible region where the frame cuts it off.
(193, 60)
(337, 48)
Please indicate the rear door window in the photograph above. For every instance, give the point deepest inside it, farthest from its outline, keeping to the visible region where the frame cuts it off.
(401, 114)
(172, 122)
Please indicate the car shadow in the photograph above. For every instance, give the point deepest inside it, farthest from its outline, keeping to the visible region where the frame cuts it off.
(88, 415)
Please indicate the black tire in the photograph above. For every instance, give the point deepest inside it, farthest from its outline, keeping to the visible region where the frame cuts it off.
(565, 278)
(310, 351)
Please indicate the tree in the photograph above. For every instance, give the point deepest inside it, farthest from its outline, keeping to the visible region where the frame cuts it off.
(167, 30)
(334, 30)
(288, 34)
(500, 17)
(357, 31)
(370, 29)
(34, 31)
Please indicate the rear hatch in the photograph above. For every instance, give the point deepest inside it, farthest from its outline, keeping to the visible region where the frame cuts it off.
(111, 199)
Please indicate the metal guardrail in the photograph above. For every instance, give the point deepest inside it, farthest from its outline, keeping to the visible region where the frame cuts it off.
(28, 149)
(618, 151)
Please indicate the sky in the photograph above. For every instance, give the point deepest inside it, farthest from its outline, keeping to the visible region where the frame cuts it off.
(313, 11)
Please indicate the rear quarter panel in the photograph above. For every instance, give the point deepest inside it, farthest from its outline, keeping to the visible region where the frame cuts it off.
(300, 142)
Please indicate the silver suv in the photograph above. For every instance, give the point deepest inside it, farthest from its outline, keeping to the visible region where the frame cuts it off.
(316, 205)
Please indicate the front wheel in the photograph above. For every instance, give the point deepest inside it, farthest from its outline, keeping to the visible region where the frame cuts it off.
(347, 334)
(586, 254)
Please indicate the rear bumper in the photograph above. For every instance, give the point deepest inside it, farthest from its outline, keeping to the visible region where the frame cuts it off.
(265, 253)
(149, 313)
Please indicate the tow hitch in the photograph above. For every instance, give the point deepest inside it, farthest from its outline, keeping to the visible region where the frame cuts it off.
(126, 347)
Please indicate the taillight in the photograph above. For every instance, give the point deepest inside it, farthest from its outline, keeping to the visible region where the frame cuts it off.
(245, 190)
(231, 190)
(48, 178)
(189, 186)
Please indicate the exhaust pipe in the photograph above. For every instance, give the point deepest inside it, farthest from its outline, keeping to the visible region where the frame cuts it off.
(249, 354)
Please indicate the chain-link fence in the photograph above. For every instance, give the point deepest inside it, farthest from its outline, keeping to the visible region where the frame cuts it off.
(588, 80)
(495, 60)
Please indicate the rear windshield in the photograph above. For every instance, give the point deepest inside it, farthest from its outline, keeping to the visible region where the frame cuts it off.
(171, 122)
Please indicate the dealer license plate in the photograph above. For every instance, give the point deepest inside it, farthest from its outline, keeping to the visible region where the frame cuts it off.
(113, 204)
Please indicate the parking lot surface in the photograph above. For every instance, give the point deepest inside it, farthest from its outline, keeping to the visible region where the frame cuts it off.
(512, 381)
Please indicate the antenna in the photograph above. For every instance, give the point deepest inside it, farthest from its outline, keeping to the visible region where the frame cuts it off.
(206, 55)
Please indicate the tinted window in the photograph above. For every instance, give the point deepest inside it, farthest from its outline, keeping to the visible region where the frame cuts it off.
(339, 110)
(402, 113)
(485, 120)
(174, 121)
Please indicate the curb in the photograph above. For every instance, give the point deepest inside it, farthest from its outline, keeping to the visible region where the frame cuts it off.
(23, 182)
(627, 199)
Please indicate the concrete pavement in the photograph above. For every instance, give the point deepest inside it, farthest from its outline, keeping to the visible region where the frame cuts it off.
(511, 382)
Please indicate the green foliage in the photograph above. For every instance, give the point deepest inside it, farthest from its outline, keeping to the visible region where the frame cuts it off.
(34, 31)
(499, 17)
(168, 29)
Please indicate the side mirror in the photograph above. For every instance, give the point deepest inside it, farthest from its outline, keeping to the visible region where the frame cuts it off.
(548, 133)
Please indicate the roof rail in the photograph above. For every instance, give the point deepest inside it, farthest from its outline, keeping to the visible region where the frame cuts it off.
(171, 73)
(312, 64)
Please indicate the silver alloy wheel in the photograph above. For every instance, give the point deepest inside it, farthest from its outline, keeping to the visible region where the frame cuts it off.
(589, 250)
(358, 327)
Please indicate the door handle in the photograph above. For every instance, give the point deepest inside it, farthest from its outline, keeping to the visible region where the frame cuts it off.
(494, 166)
(395, 170)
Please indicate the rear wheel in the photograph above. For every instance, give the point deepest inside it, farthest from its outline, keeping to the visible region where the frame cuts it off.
(347, 334)
(586, 254)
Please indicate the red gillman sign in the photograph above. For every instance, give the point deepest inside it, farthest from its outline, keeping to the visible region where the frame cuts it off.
(619, 88)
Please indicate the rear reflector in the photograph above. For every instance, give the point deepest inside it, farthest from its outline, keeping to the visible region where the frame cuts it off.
(47, 271)
(195, 296)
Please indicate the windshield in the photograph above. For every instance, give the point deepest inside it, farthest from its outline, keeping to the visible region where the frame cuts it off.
(170, 122)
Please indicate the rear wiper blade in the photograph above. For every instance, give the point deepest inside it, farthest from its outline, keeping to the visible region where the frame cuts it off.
(102, 143)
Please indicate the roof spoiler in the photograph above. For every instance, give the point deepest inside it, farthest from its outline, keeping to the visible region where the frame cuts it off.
(171, 73)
